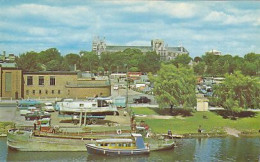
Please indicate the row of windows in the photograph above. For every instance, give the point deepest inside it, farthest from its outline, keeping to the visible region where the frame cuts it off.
(41, 92)
(117, 144)
(40, 80)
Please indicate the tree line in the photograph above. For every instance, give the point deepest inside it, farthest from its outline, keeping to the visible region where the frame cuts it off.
(52, 60)
(206, 65)
(215, 65)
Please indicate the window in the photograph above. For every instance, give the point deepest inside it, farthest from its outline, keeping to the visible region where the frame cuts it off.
(27, 92)
(52, 80)
(58, 91)
(41, 80)
(33, 92)
(46, 91)
(40, 91)
(8, 82)
(52, 91)
(29, 80)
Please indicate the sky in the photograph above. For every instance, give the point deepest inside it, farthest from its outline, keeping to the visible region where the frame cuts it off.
(70, 25)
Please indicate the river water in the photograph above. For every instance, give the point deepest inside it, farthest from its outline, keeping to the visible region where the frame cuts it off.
(196, 149)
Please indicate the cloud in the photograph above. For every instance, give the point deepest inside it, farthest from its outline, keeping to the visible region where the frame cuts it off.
(233, 18)
(172, 9)
(70, 26)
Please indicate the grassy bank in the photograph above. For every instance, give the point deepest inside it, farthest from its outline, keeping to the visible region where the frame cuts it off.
(4, 126)
(210, 122)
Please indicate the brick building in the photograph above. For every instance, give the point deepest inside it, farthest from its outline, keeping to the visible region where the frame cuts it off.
(50, 84)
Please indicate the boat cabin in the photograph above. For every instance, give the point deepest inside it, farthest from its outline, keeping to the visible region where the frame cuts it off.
(116, 143)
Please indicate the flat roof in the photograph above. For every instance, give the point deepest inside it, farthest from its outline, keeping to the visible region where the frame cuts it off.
(115, 140)
(52, 73)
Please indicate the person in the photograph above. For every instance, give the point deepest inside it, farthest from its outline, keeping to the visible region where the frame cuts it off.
(199, 129)
(169, 133)
(125, 113)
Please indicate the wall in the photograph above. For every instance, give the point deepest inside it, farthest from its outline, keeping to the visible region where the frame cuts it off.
(11, 83)
(61, 80)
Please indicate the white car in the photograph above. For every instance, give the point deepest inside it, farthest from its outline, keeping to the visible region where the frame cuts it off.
(48, 107)
(115, 87)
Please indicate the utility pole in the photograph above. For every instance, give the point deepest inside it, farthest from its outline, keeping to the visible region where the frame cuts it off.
(126, 104)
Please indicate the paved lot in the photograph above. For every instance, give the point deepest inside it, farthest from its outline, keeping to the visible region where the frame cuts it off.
(7, 113)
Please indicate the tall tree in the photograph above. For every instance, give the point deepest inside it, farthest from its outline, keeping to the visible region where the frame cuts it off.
(72, 59)
(89, 61)
(174, 86)
(199, 68)
(182, 60)
(29, 61)
(150, 62)
(49, 54)
(238, 91)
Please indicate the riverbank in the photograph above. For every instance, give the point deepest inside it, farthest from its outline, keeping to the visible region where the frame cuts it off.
(211, 124)
(4, 127)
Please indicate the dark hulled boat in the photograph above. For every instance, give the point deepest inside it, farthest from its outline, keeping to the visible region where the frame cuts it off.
(119, 147)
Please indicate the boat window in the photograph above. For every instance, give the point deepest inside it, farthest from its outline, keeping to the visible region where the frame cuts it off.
(106, 144)
(120, 144)
(81, 105)
(99, 144)
(124, 145)
(102, 144)
(112, 144)
(128, 145)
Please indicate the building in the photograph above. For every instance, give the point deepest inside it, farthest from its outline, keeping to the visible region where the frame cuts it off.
(214, 52)
(5, 58)
(16, 84)
(166, 53)
(63, 85)
(11, 83)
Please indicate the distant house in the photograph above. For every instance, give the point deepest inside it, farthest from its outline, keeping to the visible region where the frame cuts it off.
(4, 58)
(214, 52)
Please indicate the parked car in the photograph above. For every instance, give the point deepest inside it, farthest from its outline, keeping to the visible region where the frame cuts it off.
(48, 107)
(115, 87)
(36, 115)
(142, 99)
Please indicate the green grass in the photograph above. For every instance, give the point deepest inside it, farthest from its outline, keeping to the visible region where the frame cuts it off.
(143, 111)
(214, 123)
(4, 126)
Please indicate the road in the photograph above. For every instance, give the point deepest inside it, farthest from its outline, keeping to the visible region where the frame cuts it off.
(131, 94)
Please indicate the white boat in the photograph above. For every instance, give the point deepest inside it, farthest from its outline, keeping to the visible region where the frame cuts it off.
(97, 106)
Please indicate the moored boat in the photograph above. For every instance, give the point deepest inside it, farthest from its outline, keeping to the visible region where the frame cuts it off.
(27, 140)
(119, 147)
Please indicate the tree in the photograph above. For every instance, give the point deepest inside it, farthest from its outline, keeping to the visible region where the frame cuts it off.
(150, 62)
(53, 65)
(199, 68)
(89, 61)
(238, 91)
(49, 54)
(197, 59)
(174, 86)
(72, 59)
(182, 60)
(29, 61)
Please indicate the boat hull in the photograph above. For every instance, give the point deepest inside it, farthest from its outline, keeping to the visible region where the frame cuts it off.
(92, 149)
(26, 141)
